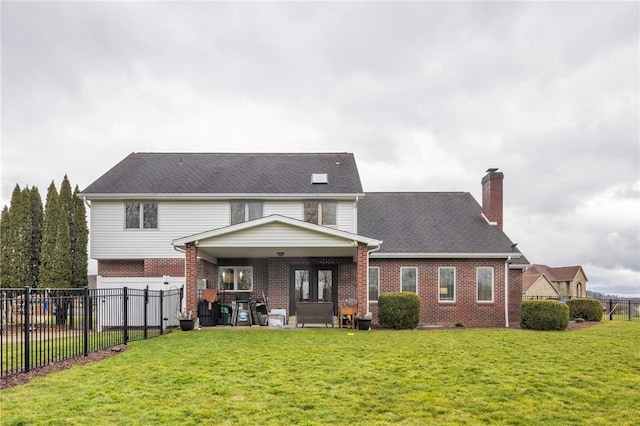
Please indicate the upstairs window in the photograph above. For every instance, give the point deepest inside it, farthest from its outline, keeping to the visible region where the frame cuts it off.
(321, 213)
(243, 211)
(141, 216)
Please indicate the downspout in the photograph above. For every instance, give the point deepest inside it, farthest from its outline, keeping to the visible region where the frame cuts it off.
(506, 291)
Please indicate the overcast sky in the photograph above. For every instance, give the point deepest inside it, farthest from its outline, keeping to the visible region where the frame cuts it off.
(426, 95)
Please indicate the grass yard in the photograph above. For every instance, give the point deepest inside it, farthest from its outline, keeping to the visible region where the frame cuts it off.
(332, 376)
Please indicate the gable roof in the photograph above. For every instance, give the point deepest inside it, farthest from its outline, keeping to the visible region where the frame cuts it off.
(564, 273)
(226, 173)
(275, 235)
(528, 280)
(431, 223)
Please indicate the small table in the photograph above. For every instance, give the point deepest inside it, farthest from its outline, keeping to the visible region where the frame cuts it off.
(346, 316)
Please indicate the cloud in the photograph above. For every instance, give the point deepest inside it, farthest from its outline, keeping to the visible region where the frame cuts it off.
(427, 95)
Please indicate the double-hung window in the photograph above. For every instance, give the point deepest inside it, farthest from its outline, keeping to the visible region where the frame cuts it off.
(374, 283)
(235, 278)
(447, 283)
(242, 211)
(484, 281)
(409, 277)
(141, 216)
(321, 213)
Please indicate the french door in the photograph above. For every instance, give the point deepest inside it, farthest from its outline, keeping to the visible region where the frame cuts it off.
(313, 284)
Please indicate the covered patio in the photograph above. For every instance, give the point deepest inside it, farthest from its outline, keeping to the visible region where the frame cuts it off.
(280, 260)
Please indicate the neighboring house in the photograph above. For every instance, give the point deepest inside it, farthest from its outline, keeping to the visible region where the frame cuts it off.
(299, 228)
(542, 281)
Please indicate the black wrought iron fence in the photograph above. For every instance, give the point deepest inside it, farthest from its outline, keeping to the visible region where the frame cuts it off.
(42, 326)
(612, 309)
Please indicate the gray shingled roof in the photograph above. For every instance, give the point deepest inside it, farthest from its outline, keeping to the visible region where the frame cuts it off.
(448, 222)
(209, 173)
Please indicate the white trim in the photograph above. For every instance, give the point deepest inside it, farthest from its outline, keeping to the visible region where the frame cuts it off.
(221, 196)
(383, 255)
(455, 290)
(276, 218)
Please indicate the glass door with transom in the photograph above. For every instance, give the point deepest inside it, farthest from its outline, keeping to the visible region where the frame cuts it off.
(313, 284)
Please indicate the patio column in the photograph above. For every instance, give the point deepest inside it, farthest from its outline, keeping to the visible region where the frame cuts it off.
(361, 278)
(191, 278)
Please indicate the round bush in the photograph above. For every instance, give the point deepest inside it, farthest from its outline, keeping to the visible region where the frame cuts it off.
(399, 310)
(544, 315)
(587, 309)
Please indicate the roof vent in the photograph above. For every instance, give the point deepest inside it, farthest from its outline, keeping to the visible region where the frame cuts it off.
(319, 178)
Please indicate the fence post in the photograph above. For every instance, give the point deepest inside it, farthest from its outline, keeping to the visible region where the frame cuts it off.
(161, 312)
(125, 316)
(27, 337)
(87, 318)
(629, 308)
(610, 310)
(146, 308)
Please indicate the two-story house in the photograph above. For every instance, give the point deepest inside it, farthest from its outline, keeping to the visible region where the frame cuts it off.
(542, 281)
(299, 228)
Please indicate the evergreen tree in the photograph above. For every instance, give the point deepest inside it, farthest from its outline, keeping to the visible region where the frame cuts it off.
(18, 245)
(79, 236)
(4, 247)
(37, 216)
(55, 266)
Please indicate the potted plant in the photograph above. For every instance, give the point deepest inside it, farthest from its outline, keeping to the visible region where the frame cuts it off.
(364, 321)
(186, 322)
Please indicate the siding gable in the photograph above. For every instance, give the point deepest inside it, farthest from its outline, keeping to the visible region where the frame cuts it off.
(280, 234)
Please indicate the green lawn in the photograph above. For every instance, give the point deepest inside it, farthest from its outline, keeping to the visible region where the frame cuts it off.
(332, 376)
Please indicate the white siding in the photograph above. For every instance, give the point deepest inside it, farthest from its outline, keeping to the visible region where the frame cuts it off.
(177, 219)
(347, 216)
(109, 239)
(285, 236)
(292, 209)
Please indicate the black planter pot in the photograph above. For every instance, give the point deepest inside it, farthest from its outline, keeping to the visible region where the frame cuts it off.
(186, 324)
(364, 324)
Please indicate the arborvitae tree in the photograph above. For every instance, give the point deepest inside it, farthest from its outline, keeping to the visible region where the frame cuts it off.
(4, 247)
(18, 246)
(37, 215)
(79, 236)
(55, 266)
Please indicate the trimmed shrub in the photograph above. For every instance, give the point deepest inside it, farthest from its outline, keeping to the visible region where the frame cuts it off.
(399, 310)
(587, 309)
(544, 315)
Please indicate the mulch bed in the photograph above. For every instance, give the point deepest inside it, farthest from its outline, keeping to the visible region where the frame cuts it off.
(22, 378)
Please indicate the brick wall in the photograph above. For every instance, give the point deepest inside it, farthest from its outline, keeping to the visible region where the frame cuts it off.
(161, 267)
(121, 268)
(465, 309)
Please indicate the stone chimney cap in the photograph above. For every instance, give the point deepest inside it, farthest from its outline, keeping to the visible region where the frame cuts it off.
(492, 170)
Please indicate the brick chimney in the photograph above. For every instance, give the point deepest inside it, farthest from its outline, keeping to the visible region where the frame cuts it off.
(492, 196)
